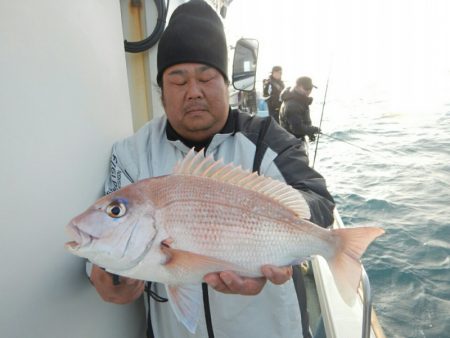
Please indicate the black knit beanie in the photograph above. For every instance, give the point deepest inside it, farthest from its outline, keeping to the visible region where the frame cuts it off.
(195, 34)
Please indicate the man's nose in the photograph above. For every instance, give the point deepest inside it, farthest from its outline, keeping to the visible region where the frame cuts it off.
(194, 90)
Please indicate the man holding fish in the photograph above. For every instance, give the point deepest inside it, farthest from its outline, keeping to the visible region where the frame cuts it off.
(205, 221)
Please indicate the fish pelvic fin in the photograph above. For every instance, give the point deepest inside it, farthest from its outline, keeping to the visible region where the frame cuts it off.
(345, 265)
(196, 164)
(181, 263)
(186, 299)
(186, 302)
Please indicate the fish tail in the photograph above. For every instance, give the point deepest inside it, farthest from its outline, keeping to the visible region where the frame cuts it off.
(345, 264)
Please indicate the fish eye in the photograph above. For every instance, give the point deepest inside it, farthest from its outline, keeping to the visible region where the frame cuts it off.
(116, 209)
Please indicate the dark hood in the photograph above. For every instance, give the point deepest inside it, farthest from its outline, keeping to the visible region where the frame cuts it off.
(290, 94)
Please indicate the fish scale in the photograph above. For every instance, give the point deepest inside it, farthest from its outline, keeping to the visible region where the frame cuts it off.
(225, 231)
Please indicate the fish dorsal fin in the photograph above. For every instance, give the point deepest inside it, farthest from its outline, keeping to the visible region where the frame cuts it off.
(196, 164)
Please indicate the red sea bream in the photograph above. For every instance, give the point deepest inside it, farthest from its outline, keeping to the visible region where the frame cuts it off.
(209, 217)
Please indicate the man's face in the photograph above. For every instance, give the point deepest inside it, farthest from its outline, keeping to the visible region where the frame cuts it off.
(195, 98)
(277, 74)
(303, 91)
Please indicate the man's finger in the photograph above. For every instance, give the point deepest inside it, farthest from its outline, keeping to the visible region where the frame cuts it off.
(131, 281)
(277, 275)
(229, 282)
(214, 281)
(253, 286)
(241, 285)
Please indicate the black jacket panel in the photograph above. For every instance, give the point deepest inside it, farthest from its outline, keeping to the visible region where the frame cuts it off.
(294, 113)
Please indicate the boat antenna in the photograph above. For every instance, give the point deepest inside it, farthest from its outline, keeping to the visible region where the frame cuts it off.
(321, 117)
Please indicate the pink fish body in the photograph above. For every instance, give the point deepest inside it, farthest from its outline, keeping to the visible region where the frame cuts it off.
(209, 217)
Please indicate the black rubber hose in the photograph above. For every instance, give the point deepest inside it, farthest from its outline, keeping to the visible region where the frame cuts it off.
(149, 42)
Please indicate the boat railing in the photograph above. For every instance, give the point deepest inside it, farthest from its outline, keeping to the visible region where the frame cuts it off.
(342, 320)
(366, 297)
(367, 304)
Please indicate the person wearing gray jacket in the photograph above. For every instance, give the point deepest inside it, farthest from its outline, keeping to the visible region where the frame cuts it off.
(194, 83)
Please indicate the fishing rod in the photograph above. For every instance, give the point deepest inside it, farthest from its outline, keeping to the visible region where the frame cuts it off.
(321, 118)
(349, 143)
(372, 152)
(362, 148)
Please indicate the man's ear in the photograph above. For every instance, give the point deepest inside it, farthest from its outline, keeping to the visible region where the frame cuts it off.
(162, 98)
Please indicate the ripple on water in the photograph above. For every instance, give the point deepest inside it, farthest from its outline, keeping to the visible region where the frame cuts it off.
(398, 177)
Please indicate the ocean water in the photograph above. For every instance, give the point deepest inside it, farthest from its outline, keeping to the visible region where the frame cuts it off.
(392, 169)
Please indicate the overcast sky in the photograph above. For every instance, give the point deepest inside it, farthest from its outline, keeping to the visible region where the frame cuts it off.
(400, 46)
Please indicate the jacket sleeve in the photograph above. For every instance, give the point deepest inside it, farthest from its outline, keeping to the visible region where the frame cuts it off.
(266, 88)
(292, 161)
(294, 119)
(298, 123)
(311, 130)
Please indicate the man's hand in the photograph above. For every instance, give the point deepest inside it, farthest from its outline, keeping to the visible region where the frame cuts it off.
(126, 292)
(229, 282)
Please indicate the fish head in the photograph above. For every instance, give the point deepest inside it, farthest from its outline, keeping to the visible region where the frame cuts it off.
(116, 232)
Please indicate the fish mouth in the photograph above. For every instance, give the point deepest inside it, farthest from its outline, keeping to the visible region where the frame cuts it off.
(79, 237)
(72, 246)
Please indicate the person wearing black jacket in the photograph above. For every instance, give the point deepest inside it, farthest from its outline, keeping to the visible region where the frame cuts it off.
(294, 111)
(272, 88)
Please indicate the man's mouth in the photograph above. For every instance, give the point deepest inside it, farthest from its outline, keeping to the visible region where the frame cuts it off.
(195, 111)
(195, 108)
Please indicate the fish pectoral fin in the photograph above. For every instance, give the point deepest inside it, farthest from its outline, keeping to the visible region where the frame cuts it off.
(182, 263)
(186, 302)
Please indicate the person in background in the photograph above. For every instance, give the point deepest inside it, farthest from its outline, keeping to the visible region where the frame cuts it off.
(194, 83)
(272, 88)
(294, 112)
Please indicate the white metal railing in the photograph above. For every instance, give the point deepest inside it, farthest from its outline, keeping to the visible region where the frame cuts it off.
(367, 304)
(342, 320)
